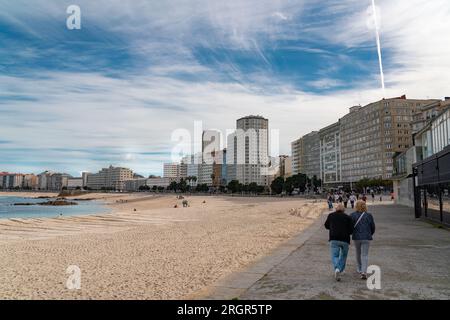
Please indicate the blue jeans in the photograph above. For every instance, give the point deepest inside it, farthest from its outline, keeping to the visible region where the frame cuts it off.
(362, 254)
(330, 205)
(339, 251)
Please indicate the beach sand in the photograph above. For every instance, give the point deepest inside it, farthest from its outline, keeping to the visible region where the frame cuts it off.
(155, 252)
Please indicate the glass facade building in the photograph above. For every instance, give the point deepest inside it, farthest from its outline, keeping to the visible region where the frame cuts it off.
(432, 173)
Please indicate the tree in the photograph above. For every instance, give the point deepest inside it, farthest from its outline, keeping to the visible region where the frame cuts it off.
(289, 185)
(182, 185)
(154, 188)
(253, 187)
(172, 186)
(376, 183)
(202, 188)
(315, 181)
(233, 186)
(260, 189)
(277, 185)
(299, 181)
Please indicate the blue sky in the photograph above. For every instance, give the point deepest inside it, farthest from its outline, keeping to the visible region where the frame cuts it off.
(114, 91)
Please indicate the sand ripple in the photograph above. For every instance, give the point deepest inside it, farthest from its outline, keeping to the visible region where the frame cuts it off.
(155, 252)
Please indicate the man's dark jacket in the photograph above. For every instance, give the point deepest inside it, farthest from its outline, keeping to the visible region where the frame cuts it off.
(340, 226)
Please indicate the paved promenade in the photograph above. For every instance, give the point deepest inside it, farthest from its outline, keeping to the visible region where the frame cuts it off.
(414, 257)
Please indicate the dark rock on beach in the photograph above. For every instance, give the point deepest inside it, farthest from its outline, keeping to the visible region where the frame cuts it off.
(48, 203)
(58, 203)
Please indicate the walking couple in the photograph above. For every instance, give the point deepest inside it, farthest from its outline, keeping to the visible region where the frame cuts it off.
(361, 226)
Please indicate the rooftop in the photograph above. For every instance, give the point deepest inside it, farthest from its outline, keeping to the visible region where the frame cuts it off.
(252, 117)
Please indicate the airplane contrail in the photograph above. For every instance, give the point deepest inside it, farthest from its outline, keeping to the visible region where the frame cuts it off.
(377, 32)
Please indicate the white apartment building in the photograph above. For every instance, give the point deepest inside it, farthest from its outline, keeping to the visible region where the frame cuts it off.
(171, 170)
(284, 166)
(112, 178)
(371, 135)
(12, 181)
(30, 181)
(306, 155)
(296, 153)
(205, 173)
(57, 181)
(74, 183)
(330, 154)
(247, 154)
(84, 177)
(193, 165)
(210, 145)
(44, 180)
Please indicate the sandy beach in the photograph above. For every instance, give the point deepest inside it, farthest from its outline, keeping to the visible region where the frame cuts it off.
(145, 248)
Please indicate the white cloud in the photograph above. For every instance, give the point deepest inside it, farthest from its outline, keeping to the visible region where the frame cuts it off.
(137, 113)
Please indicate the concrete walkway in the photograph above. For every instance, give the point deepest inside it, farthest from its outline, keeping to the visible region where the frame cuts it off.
(413, 255)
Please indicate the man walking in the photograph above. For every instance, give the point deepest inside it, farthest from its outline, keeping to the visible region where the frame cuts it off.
(341, 227)
(352, 200)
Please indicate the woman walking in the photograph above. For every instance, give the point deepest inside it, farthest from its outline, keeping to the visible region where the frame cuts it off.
(341, 227)
(363, 230)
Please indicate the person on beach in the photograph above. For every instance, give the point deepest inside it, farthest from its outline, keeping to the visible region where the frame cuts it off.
(341, 227)
(352, 200)
(363, 230)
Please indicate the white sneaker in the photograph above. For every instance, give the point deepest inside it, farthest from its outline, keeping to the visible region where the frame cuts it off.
(337, 275)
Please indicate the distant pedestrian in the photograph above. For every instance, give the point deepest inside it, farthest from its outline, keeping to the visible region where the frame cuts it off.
(341, 227)
(352, 200)
(345, 200)
(363, 230)
(373, 197)
(340, 199)
(364, 198)
(330, 202)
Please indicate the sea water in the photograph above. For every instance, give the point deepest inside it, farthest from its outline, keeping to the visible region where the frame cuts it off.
(9, 210)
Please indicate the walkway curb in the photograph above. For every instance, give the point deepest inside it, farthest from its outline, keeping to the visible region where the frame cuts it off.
(234, 285)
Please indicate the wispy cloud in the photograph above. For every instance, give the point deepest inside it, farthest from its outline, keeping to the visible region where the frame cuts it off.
(115, 90)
